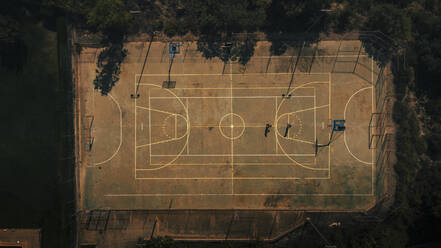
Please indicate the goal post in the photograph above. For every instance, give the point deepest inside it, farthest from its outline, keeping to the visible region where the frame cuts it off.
(88, 131)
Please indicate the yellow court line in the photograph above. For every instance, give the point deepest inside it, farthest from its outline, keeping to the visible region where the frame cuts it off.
(176, 126)
(276, 125)
(329, 94)
(226, 97)
(315, 115)
(160, 111)
(242, 164)
(223, 126)
(307, 109)
(302, 110)
(294, 139)
(187, 132)
(135, 126)
(158, 142)
(232, 129)
(219, 178)
(241, 88)
(187, 146)
(316, 178)
(231, 95)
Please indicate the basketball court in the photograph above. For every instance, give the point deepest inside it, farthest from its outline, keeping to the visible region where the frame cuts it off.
(214, 135)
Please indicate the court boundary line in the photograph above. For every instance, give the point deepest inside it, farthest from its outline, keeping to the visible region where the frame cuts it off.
(344, 133)
(240, 155)
(330, 106)
(294, 89)
(226, 97)
(120, 134)
(220, 74)
(240, 97)
(373, 178)
(235, 194)
(232, 129)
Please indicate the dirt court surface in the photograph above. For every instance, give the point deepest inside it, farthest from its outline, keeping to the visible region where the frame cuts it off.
(202, 144)
(24, 238)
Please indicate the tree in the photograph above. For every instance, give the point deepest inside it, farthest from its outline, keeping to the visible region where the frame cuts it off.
(109, 16)
(13, 51)
(228, 16)
(393, 23)
(297, 16)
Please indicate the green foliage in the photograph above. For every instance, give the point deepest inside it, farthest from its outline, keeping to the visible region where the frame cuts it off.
(214, 17)
(9, 28)
(109, 15)
(109, 61)
(434, 146)
(394, 23)
(297, 16)
(426, 22)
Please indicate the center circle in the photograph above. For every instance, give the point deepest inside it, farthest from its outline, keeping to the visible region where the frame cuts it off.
(231, 126)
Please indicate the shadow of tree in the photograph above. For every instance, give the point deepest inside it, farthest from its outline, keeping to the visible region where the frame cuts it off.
(227, 49)
(109, 62)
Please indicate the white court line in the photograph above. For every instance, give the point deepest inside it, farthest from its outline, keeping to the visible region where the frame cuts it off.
(220, 74)
(120, 132)
(188, 135)
(134, 143)
(176, 126)
(275, 118)
(329, 116)
(315, 114)
(236, 194)
(344, 133)
(232, 129)
(238, 88)
(150, 131)
(236, 155)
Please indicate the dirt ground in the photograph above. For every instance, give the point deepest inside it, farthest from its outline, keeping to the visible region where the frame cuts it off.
(202, 144)
(25, 238)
